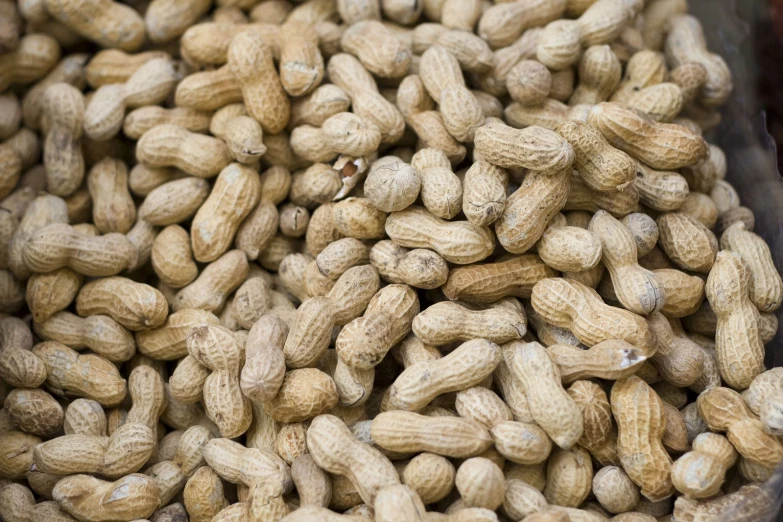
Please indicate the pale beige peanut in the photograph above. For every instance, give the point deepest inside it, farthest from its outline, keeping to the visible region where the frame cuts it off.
(335, 450)
(569, 477)
(377, 48)
(459, 108)
(612, 359)
(134, 496)
(215, 348)
(486, 283)
(567, 248)
(687, 242)
(685, 43)
(661, 190)
(126, 451)
(472, 52)
(441, 189)
(257, 230)
(47, 294)
(251, 301)
(639, 415)
(571, 305)
(58, 246)
(313, 109)
(143, 180)
(619, 204)
(549, 334)
(458, 242)
(766, 291)
(99, 333)
(169, 145)
(738, 343)
(753, 499)
(419, 268)
(34, 411)
(358, 218)
(530, 208)
(135, 306)
(65, 370)
(311, 331)
(601, 166)
(113, 209)
(504, 23)
(167, 19)
(149, 85)
(203, 495)
(344, 133)
(172, 258)
(601, 23)
(70, 70)
(529, 82)
(615, 490)
(700, 472)
(636, 287)
(316, 185)
(168, 341)
(480, 482)
(446, 322)
(303, 394)
(599, 75)
(250, 61)
(463, 368)
(662, 102)
(312, 483)
(678, 359)
(723, 410)
(542, 149)
(116, 66)
(35, 55)
(140, 120)
(235, 193)
(174, 202)
(660, 145)
(599, 436)
(351, 76)
(18, 365)
(550, 405)
(363, 342)
(17, 453)
(484, 193)
(408, 431)
(104, 22)
(209, 90)
(63, 109)
(417, 108)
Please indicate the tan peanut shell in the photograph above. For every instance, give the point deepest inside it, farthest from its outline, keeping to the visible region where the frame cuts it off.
(662, 146)
(639, 415)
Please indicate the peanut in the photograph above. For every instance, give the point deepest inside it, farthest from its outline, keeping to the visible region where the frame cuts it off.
(168, 145)
(723, 410)
(149, 85)
(571, 305)
(335, 450)
(99, 333)
(86, 497)
(659, 145)
(407, 431)
(63, 109)
(738, 344)
(640, 421)
(66, 370)
(135, 306)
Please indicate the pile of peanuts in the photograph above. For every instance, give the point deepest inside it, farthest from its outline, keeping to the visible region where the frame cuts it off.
(376, 260)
